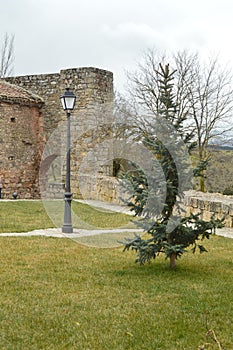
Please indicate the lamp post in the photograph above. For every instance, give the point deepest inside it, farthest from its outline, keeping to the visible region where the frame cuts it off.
(68, 102)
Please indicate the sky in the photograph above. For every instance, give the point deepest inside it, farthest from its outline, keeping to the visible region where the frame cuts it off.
(51, 35)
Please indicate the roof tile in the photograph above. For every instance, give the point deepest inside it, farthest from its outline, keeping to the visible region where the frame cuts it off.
(10, 92)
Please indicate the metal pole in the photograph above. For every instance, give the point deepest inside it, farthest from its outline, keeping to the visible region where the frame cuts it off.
(67, 225)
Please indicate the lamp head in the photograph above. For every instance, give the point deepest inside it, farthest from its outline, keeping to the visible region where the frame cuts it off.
(68, 100)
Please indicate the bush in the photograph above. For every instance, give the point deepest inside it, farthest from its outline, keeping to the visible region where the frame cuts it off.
(228, 191)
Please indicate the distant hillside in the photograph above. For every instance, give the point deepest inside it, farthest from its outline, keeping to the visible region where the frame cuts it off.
(220, 170)
(219, 148)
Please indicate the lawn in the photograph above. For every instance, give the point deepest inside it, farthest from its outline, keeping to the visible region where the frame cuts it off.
(24, 216)
(60, 294)
(57, 294)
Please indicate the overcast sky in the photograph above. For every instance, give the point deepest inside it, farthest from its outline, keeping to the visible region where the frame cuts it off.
(112, 34)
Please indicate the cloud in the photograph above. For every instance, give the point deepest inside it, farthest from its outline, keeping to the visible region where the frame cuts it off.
(131, 34)
(112, 34)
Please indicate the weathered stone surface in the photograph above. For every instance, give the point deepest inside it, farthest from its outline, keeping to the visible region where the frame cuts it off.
(91, 125)
(21, 134)
(210, 204)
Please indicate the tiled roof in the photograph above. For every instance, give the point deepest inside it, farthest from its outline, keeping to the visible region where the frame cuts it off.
(14, 93)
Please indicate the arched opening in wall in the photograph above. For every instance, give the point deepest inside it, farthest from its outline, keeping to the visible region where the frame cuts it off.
(121, 165)
(51, 183)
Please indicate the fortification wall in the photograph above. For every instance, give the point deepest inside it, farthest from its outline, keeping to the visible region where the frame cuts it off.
(92, 86)
(91, 122)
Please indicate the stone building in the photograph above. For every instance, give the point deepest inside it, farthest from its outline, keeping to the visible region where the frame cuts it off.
(21, 140)
(33, 139)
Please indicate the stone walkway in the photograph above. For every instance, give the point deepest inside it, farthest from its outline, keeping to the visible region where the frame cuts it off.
(78, 233)
(57, 233)
(225, 232)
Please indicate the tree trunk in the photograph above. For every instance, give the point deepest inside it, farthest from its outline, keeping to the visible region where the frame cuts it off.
(202, 157)
(173, 260)
(202, 183)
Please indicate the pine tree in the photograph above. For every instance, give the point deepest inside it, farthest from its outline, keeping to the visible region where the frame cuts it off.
(169, 142)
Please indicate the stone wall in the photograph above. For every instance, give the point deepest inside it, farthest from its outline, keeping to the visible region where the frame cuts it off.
(102, 187)
(91, 123)
(92, 86)
(108, 188)
(210, 204)
(21, 142)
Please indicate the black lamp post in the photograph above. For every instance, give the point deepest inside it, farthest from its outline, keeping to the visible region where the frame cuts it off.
(68, 102)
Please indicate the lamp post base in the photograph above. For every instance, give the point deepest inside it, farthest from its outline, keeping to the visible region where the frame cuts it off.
(67, 226)
(67, 229)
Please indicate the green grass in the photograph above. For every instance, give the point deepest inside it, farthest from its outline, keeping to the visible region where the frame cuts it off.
(23, 216)
(60, 294)
(57, 294)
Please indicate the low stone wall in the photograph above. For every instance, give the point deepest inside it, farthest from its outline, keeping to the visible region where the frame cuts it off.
(98, 187)
(210, 204)
(207, 204)
(108, 188)
(101, 187)
(55, 190)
